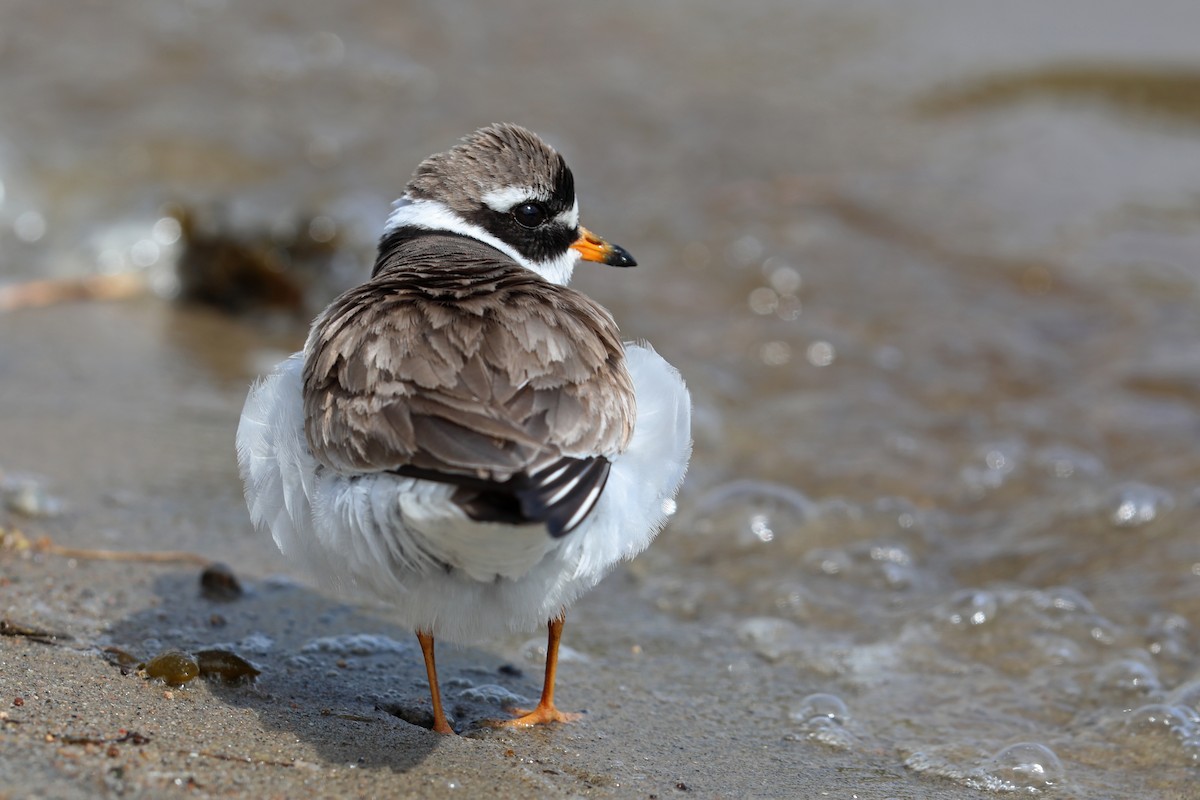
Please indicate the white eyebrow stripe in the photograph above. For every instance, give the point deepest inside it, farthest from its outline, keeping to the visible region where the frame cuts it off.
(502, 200)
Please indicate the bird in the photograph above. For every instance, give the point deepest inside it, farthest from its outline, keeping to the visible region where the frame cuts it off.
(463, 435)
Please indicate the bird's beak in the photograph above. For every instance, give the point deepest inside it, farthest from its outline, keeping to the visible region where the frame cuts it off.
(592, 248)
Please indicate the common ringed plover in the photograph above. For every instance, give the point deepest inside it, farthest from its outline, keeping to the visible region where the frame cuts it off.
(463, 435)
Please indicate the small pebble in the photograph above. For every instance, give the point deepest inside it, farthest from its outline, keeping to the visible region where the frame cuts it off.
(217, 582)
(174, 667)
(225, 666)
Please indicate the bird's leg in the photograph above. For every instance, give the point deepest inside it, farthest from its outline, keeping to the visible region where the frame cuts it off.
(545, 712)
(440, 725)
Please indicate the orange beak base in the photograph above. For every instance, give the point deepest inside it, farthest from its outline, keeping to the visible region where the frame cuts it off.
(592, 248)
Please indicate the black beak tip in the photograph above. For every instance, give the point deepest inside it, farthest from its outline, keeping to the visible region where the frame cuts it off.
(620, 257)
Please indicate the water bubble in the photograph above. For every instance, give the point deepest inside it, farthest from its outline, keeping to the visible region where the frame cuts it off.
(822, 718)
(890, 553)
(257, 643)
(1162, 734)
(1161, 717)
(166, 231)
(744, 251)
(534, 652)
(828, 561)
(785, 280)
(322, 229)
(827, 706)
(820, 353)
(1057, 650)
(1063, 461)
(792, 599)
(970, 609)
(892, 566)
(1136, 504)
(991, 466)
(165, 283)
(144, 253)
(788, 307)
(1066, 600)
(760, 526)
(492, 694)
(356, 644)
(1027, 765)
(738, 513)
(775, 354)
(763, 300)
(30, 227)
(1127, 678)
(1103, 633)
(1169, 636)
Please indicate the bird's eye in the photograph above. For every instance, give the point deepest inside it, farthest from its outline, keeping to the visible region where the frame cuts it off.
(529, 215)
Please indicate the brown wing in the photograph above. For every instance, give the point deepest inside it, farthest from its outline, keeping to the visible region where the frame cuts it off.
(470, 370)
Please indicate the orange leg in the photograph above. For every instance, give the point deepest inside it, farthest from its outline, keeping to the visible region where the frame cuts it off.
(545, 712)
(440, 725)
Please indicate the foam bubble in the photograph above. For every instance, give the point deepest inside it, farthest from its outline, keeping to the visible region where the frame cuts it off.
(827, 706)
(1162, 733)
(970, 609)
(1135, 504)
(822, 718)
(357, 644)
(492, 694)
(1024, 766)
(1125, 678)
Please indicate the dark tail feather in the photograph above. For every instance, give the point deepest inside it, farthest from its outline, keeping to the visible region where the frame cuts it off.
(560, 495)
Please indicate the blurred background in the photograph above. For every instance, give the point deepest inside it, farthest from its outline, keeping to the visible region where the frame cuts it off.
(931, 270)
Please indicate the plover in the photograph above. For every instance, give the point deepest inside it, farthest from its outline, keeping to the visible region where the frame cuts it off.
(463, 435)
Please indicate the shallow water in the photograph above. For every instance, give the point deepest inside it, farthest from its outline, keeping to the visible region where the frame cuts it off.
(930, 272)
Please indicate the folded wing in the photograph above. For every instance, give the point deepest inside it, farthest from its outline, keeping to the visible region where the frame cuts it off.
(462, 369)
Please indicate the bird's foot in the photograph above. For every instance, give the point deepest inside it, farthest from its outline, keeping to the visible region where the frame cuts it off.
(542, 715)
